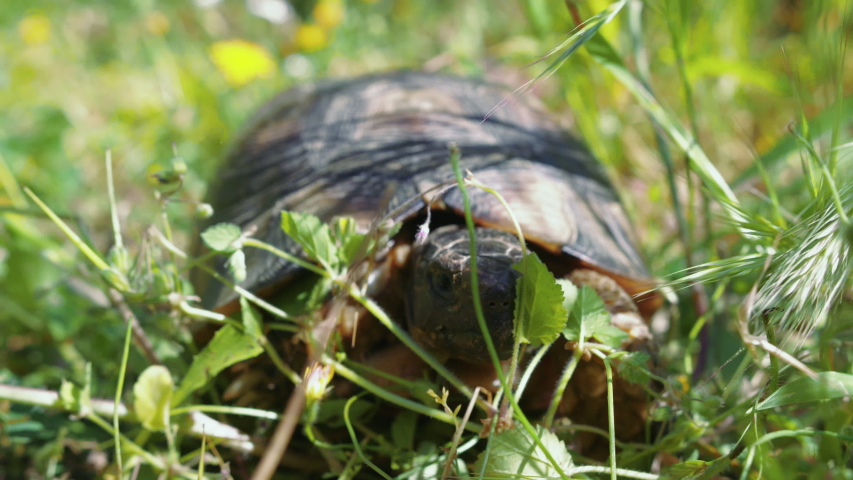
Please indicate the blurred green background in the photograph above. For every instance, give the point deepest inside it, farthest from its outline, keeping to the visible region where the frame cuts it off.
(152, 80)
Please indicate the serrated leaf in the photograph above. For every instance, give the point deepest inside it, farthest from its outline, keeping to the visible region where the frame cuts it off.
(228, 347)
(610, 335)
(589, 311)
(570, 293)
(252, 323)
(633, 367)
(313, 236)
(514, 454)
(589, 318)
(152, 397)
(237, 266)
(540, 309)
(827, 386)
(221, 237)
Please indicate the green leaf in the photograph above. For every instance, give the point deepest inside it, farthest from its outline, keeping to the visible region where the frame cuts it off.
(570, 293)
(403, 430)
(237, 265)
(168, 180)
(342, 227)
(633, 367)
(349, 240)
(331, 413)
(228, 347)
(540, 302)
(74, 398)
(304, 294)
(428, 462)
(610, 335)
(252, 323)
(222, 237)
(86, 393)
(662, 414)
(587, 313)
(514, 454)
(313, 236)
(352, 246)
(827, 386)
(589, 318)
(69, 396)
(152, 397)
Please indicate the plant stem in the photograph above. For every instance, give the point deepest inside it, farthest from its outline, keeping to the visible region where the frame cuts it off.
(531, 367)
(548, 420)
(119, 390)
(356, 443)
(362, 382)
(478, 309)
(611, 417)
(618, 471)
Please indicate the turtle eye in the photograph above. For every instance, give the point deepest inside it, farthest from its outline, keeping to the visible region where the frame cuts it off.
(443, 282)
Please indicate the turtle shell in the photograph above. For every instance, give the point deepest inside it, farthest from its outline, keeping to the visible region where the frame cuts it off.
(333, 148)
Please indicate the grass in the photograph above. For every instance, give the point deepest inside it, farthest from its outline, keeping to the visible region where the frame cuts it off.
(725, 126)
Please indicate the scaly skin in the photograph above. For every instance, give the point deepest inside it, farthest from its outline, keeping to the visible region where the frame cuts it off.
(440, 307)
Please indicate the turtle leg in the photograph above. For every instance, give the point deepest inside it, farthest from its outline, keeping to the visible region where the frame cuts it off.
(623, 311)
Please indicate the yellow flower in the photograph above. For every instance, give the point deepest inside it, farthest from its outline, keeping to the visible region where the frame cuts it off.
(157, 23)
(241, 61)
(34, 29)
(317, 378)
(328, 13)
(310, 38)
(683, 383)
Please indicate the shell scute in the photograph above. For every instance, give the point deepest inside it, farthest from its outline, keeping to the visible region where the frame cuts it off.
(366, 146)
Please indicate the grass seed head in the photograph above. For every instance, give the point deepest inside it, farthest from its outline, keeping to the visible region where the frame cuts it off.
(809, 278)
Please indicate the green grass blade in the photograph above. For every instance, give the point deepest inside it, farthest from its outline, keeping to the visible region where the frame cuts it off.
(713, 180)
(840, 113)
(75, 239)
(828, 386)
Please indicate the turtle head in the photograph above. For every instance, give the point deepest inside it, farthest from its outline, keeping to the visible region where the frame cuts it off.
(440, 303)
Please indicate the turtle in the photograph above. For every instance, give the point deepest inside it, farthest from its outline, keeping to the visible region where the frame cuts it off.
(376, 149)
(335, 147)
